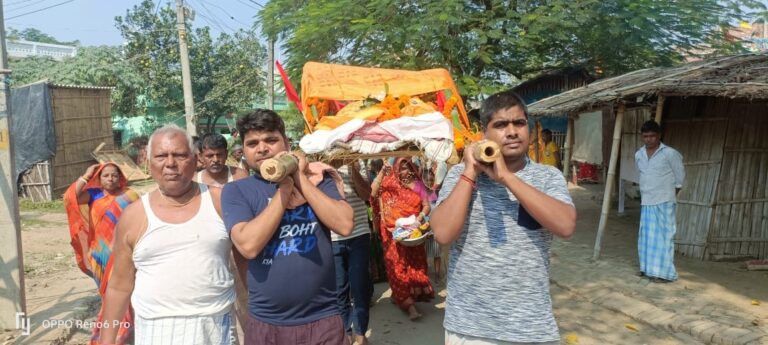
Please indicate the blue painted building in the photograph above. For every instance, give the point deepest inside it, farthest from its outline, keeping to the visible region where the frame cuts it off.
(552, 83)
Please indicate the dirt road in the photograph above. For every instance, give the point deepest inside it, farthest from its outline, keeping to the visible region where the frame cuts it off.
(56, 289)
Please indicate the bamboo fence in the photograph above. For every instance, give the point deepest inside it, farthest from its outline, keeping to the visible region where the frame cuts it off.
(82, 120)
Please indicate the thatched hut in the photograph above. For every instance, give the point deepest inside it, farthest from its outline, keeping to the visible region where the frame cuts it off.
(715, 112)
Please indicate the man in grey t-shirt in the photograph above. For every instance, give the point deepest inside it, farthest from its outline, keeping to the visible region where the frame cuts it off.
(500, 224)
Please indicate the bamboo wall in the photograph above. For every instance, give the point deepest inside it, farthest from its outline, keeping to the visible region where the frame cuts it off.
(36, 183)
(740, 225)
(697, 131)
(723, 206)
(83, 120)
(631, 140)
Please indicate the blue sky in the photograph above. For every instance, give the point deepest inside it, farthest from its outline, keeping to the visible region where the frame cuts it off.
(92, 21)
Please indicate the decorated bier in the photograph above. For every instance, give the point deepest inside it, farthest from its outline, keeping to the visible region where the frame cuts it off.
(358, 112)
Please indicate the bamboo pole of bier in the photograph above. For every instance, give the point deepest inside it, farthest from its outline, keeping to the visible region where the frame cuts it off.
(276, 169)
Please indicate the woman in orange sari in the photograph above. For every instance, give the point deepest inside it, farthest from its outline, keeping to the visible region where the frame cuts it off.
(94, 203)
(401, 195)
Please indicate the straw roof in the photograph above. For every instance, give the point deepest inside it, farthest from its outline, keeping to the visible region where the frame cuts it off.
(738, 76)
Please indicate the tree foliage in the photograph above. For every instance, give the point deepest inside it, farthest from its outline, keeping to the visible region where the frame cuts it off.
(35, 35)
(487, 44)
(31, 69)
(93, 66)
(294, 122)
(226, 73)
(152, 48)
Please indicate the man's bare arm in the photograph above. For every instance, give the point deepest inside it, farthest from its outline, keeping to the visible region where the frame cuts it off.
(554, 215)
(362, 188)
(327, 209)
(251, 237)
(447, 219)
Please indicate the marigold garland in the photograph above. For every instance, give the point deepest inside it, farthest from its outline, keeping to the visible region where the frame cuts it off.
(449, 105)
(393, 108)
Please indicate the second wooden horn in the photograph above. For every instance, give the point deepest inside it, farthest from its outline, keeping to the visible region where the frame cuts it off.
(487, 151)
(276, 169)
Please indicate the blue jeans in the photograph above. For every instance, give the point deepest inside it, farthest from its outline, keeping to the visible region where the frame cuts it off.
(353, 284)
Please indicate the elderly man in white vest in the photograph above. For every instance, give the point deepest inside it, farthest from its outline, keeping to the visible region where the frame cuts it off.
(171, 254)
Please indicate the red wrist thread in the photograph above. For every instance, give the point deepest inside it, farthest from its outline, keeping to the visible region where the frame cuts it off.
(469, 180)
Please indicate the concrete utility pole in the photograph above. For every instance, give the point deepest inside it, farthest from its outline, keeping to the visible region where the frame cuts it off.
(12, 299)
(186, 78)
(271, 74)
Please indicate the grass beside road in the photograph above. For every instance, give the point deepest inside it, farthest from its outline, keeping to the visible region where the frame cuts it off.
(45, 206)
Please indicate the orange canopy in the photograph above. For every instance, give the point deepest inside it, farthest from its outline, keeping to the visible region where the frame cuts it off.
(351, 83)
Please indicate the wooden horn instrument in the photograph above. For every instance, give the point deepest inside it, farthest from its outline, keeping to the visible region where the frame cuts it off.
(486, 152)
(276, 169)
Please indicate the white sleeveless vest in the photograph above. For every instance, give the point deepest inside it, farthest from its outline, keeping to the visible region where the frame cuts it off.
(230, 178)
(182, 269)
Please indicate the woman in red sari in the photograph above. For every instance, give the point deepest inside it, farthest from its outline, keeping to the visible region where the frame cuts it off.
(94, 203)
(402, 194)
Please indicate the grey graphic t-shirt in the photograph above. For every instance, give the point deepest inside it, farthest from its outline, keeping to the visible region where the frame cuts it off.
(498, 273)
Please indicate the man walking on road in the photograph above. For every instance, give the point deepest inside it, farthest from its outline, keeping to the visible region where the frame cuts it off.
(500, 224)
(661, 177)
(171, 255)
(283, 230)
(352, 257)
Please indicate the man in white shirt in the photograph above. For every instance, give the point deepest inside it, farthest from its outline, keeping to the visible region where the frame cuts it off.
(661, 178)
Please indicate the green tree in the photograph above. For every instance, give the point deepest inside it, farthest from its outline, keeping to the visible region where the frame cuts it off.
(236, 73)
(93, 66)
(226, 73)
(31, 69)
(487, 44)
(35, 35)
(152, 47)
(294, 122)
(103, 66)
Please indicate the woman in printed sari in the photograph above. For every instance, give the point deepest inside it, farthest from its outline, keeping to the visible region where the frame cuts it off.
(402, 194)
(94, 203)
